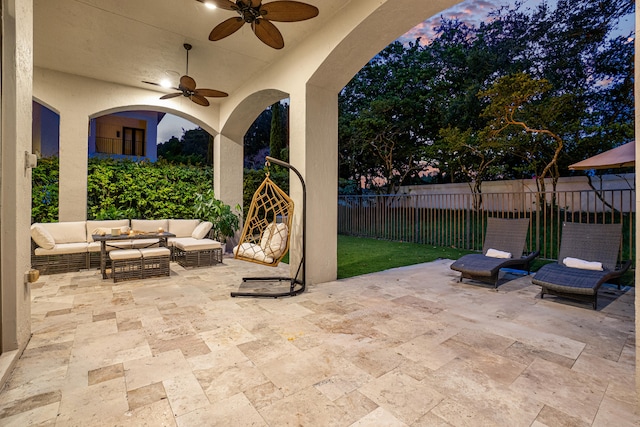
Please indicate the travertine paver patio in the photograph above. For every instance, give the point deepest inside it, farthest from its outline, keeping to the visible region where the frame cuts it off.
(409, 346)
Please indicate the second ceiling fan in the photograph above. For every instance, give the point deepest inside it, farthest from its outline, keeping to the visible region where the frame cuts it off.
(260, 16)
(187, 87)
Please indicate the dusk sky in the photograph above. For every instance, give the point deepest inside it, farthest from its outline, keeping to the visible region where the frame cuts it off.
(472, 11)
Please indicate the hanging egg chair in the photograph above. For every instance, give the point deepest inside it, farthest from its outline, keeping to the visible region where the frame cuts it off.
(266, 235)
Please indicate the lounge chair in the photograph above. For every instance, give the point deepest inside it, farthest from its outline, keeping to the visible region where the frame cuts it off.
(507, 237)
(587, 246)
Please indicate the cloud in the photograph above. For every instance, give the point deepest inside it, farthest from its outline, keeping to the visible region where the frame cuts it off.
(472, 12)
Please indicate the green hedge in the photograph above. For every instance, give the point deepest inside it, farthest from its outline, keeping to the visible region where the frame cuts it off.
(119, 188)
(124, 189)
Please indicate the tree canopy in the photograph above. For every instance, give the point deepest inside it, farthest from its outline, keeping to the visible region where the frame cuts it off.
(561, 69)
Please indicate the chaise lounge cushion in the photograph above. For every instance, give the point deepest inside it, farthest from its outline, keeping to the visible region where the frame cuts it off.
(560, 278)
(479, 265)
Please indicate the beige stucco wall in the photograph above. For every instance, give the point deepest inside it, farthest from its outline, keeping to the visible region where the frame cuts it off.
(15, 201)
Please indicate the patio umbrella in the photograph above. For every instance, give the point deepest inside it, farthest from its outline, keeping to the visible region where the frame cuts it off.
(619, 157)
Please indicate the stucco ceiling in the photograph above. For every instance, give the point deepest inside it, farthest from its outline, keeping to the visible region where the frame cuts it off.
(127, 42)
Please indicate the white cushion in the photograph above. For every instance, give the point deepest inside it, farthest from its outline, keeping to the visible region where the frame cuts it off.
(64, 248)
(42, 237)
(582, 264)
(274, 239)
(125, 254)
(150, 225)
(202, 230)
(67, 232)
(191, 244)
(96, 227)
(495, 253)
(155, 252)
(252, 251)
(182, 227)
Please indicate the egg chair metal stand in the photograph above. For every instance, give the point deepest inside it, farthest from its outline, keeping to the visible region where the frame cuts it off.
(296, 284)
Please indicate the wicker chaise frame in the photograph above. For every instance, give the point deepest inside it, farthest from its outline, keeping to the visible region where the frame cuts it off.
(589, 242)
(508, 235)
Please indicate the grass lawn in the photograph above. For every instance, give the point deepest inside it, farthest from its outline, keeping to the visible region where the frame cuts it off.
(358, 256)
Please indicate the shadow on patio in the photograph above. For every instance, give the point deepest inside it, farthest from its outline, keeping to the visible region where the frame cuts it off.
(409, 346)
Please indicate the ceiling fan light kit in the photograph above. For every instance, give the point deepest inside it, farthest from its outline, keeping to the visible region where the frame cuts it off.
(259, 16)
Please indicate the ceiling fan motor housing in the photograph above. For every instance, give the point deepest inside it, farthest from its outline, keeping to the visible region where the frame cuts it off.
(248, 13)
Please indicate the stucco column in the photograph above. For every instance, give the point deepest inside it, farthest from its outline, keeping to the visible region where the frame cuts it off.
(15, 218)
(228, 170)
(313, 147)
(74, 152)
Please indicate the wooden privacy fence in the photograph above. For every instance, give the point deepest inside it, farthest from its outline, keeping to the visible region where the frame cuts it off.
(451, 220)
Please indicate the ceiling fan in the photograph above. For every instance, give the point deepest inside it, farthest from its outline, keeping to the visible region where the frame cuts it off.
(260, 16)
(187, 87)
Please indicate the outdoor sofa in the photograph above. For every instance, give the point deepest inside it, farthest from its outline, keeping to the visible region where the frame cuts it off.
(60, 247)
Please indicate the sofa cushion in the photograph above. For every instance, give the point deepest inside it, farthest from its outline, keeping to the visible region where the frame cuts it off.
(190, 244)
(155, 252)
(96, 227)
(64, 248)
(125, 254)
(67, 232)
(42, 237)
(150, 225)
(201, 230)
(183, 227)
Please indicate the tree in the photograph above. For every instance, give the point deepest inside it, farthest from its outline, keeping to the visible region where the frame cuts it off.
(381, 112)
(517, 103)
(276, 137)
(194, 147)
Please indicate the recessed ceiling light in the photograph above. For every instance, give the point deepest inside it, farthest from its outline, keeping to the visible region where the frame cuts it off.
(210, 5)
(165, 83)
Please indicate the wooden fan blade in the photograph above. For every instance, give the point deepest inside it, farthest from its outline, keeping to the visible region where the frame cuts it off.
(268, 33)
(288, 11)
(226, 28)
(222, 4)
(151, 83)
(200, 100)
(158, 84)
(187, 83)
(211, 93)
(171, 95)
(255, 3)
